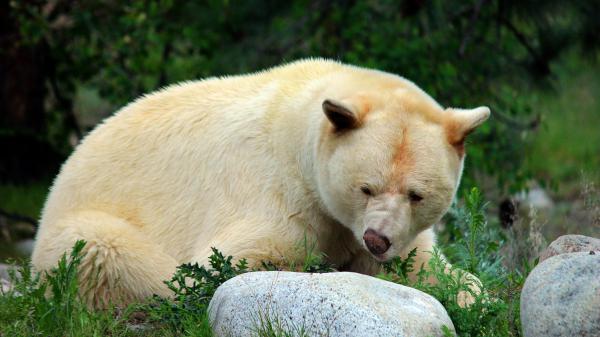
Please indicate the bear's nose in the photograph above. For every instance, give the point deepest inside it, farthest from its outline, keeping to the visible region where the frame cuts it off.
(376, 243)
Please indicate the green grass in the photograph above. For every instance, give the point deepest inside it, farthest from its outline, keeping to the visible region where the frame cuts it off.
(27, 311)
(268, 325)
(26, 200)
(193, 287)
(50, 305)
(569, 140)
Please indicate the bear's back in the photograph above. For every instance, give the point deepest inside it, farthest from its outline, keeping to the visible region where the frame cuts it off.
(189, 137)
(196, 151)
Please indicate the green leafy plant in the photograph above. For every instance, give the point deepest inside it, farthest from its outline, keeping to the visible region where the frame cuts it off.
(312, 261)
(472, 243)
(269, 325)
(401, 267)
(481, 318)
(193, 287)
(49, 304)
(495, 310)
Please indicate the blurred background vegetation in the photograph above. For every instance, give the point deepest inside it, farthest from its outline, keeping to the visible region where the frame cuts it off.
(66, 65)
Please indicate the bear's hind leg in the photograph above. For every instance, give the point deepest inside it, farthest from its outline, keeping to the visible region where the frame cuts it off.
(120, 265)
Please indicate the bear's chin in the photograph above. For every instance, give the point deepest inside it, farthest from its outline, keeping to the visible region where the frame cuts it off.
(381, 258)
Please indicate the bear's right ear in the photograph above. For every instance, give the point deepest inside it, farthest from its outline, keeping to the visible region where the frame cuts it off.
(342, 116)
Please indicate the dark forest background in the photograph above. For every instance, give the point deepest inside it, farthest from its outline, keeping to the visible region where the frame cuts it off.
(66, 65)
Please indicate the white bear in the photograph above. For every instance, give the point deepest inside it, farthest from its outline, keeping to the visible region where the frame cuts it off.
(361, 161)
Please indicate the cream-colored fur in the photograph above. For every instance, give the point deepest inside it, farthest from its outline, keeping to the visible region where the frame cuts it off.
(250, 165)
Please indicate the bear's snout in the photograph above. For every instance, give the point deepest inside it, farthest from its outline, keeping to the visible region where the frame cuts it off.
(376, 243)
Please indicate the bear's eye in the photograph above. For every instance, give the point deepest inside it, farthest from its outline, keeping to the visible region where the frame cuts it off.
(414, 197)
(366, 190)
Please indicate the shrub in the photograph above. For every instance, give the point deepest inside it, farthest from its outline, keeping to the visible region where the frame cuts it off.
(49, 304)
(495, 311)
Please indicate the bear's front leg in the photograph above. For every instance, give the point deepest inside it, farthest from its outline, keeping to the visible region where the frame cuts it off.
(363, 263)
(425, 242)
(256, 242)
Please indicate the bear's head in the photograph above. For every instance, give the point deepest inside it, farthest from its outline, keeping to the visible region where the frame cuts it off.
(389, 163)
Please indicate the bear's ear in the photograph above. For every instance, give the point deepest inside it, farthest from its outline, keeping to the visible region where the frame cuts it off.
(461, 122)
(342, 116)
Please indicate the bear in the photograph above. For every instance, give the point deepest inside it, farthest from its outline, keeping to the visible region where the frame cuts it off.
(361, 161)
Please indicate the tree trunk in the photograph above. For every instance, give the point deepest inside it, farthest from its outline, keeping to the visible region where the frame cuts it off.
(22, 78)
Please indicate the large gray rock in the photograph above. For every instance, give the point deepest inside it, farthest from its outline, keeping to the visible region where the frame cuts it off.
(571, 244)
(332, 304)
(561, 297)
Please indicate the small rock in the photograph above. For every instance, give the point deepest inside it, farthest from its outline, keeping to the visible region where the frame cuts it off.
(561, 297)
(331, 304)
(25, 247)
(570, 244)
(4, 271)
(5, 286)
(536, 197)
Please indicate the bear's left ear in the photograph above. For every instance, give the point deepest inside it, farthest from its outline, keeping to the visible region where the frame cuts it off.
(342, 115)
(461, 122)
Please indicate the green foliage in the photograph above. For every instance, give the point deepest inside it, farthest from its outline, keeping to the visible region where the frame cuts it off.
(567, 145)
(463, 53)
(269, 325)
(50, 306)
(193, 287)
(313, 261)
(472, 243)
(401, 267)
(485, 317)
(25, 200)
(495, 311)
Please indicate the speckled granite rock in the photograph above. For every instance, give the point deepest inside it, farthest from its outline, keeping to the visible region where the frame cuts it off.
(332, 304)
(571, 244)
(561, 297)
